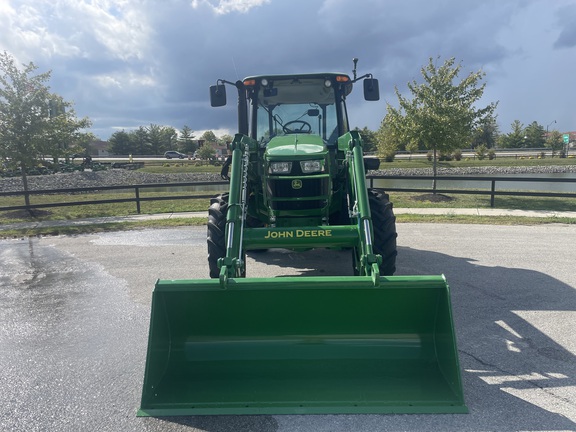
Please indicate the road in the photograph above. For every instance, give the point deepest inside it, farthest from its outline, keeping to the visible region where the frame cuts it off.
(74, 314)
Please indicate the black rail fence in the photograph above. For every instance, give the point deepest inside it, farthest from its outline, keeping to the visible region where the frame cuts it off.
(371, 181)
(492, 181)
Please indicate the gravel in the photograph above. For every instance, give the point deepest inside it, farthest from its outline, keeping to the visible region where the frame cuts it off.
(488, 170)
(115, 177)
(112, 177)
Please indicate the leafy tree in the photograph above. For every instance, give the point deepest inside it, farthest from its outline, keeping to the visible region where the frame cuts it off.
(186, 141)
(33, 121)
(209, 137)
(513, 139)
(388, 142)
(226, 138)
(534, 136)
(207, 151)
(440, 115)
(555, 141)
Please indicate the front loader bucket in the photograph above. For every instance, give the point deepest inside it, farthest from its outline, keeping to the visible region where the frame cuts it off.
(302, 345)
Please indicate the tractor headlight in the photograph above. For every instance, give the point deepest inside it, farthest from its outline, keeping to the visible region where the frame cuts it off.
(280, 167)
(312, 166)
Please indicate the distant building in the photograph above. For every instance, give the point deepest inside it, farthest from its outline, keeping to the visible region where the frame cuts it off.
(99, 148)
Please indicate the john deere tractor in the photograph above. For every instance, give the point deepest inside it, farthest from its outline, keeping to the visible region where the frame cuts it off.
(365, 343)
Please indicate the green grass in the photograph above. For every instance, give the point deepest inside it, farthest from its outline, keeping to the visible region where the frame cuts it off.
(498, 162)
(99, 210)
(400, 200)
(408, 200)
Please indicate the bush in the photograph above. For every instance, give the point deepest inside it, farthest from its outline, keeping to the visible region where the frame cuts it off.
(457, 155)
(429, 156)
(389, 156)
(481, 152)
(491, 154)
(444, 157)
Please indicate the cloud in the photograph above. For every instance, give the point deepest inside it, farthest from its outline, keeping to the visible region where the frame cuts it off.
(566, 19)
(222, 7)
(127, 63)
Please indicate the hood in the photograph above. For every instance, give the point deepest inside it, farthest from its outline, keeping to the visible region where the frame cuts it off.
(296, 146)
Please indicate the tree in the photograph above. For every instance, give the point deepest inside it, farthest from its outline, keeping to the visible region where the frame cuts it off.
(64, 133)
(209, 137)
(139, 139)
(535, 136)
(388, 141)
(33, 121)
(186, 141)
(486, 134)
(555, 142)
(441, 115)
(226, 139)
(207, 151)
(368, 139)
(513, 139)
(121, 144)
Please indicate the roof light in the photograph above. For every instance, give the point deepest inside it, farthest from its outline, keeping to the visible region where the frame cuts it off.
(327, 83)
(250, 82)
(264, 82)
(342, 78)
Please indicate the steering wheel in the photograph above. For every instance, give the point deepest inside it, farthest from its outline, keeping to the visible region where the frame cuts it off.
(305, 128)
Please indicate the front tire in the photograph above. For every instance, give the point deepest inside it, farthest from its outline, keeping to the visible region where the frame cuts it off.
(217, 213)
(216, 232)
(384, 226)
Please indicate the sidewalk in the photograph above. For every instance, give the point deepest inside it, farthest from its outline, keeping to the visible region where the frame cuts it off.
(397, 211)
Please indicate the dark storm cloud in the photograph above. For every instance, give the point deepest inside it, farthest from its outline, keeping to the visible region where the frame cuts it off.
(131, 63)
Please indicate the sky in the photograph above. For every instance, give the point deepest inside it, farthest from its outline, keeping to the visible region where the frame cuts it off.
(131, 63)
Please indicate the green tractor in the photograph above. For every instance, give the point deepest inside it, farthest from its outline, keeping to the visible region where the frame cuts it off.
(370, 342)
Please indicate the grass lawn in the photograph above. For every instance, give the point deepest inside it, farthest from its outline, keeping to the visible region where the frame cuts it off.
(399, 199)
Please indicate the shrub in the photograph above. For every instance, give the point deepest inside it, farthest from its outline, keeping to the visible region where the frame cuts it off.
(457, 155)
(491, 154)
(481, 152)
(429, 155)
(389, 156)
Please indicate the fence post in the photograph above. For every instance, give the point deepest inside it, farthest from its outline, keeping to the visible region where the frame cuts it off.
(493, 189)
(137, 189)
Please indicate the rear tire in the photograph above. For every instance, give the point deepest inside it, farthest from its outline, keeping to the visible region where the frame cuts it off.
(384, 226)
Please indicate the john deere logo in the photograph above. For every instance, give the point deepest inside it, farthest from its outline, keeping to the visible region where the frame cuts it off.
(296, 184)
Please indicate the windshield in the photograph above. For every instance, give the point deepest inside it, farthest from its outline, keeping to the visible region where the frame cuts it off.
(296, 106)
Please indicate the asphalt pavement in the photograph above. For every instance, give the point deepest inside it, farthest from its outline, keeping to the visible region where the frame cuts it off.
(74, 317)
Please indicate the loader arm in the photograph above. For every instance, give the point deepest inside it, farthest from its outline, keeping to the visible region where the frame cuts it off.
(233, 264)
(369, 263)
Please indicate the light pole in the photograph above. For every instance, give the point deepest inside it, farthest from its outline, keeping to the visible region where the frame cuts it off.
(554, 121)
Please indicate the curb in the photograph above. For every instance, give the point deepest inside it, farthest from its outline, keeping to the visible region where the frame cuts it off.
(397, 211)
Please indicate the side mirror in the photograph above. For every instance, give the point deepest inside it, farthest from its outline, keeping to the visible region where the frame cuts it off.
(371, 90)
(218, 95)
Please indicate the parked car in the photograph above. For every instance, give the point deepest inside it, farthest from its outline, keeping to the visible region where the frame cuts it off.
(174, 154)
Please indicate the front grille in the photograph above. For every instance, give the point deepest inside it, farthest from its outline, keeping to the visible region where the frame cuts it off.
(293, 188)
